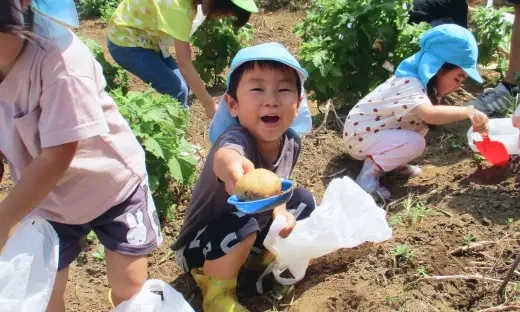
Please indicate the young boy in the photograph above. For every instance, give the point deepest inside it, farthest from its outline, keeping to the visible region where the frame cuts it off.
(264, 95)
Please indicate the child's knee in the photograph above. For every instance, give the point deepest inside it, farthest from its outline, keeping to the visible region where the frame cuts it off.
(417, 144)
(231, 233)
(304, 200)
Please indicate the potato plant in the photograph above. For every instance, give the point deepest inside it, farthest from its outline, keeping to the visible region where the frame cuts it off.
(115, 75)
(350, 47)
(159, 122)
(98, 8)
(493, 36)
(217, 42)
(346, 43)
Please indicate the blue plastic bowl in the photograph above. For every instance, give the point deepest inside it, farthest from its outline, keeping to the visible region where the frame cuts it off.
(261, 205)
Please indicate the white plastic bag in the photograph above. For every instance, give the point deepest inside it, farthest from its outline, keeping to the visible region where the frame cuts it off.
(156, 296)
(501, 130)
(347, 217)
(28, 267)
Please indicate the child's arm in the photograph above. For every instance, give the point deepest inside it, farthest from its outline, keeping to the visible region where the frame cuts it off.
(442, 114)
(183, 54)
(37, 180)
(229, 166)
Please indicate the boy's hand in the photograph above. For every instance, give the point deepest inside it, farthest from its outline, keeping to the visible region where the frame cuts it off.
(290, 220)
(229, 166)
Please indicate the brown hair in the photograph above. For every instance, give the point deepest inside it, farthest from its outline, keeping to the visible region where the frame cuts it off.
(11, 24)
(228, 8)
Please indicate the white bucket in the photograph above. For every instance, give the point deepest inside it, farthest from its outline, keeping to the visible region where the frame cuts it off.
(501, 130)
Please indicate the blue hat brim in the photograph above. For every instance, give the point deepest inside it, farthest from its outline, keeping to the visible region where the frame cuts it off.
(473, 74)
(63, 11)
(271, 51)
(430, 65)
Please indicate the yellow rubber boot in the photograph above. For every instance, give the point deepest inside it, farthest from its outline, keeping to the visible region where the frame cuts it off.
(218, 295)
(259, 262)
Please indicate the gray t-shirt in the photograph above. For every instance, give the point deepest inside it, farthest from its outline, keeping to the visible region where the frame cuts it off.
(209, 198)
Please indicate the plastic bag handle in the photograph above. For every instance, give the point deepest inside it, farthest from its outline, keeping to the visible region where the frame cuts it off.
(298, 270)
(274, 231)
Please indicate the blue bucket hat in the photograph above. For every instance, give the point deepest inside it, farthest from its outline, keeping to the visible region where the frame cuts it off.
(448, 43)
(63, 11)
(272, 51)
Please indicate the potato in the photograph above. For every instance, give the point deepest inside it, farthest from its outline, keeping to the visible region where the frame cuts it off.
(258, 184)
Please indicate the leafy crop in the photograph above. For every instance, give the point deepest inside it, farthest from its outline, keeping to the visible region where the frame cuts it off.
(469, 238)
(115, 75)
(159, 121)
(98, 8)
(408, 42)
(418, 212)
(403, 251)
(421, 272)
(414, 212)
(100, 254)
(217, 42)
(350, 47)
(272, 5)
(346, 45)
(493, 35)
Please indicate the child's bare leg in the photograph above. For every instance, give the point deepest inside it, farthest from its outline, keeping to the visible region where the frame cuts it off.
(228, 266)
(126, 275)
(57, 302)
(514, 56)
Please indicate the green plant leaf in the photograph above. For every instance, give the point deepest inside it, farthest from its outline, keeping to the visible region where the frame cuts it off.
(153, 147)
(175, 169)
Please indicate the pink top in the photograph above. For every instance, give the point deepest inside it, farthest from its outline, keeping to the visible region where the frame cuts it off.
(53, 97)
(389, 106)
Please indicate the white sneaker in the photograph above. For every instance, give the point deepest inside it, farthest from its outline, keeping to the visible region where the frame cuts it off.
(408, 171)
(368, 179)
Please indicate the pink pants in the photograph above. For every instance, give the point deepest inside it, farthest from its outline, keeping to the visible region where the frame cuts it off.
(392, 148)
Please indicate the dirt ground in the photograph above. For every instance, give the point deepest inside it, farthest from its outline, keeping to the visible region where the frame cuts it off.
(456, 201)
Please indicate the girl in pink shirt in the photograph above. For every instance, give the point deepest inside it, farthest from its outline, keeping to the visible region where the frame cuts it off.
(72, 156)
(386, 129)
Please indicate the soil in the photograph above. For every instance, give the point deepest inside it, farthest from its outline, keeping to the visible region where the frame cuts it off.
(464, 201)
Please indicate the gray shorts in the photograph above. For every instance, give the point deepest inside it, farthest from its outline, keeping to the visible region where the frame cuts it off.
(131, 228)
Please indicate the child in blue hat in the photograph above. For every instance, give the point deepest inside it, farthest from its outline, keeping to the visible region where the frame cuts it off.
(386, 129)
(263, 97)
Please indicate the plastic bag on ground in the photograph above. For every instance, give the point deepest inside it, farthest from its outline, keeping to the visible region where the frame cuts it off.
(156, 296)
(28, 267)
(347, 217)
(501, 130)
